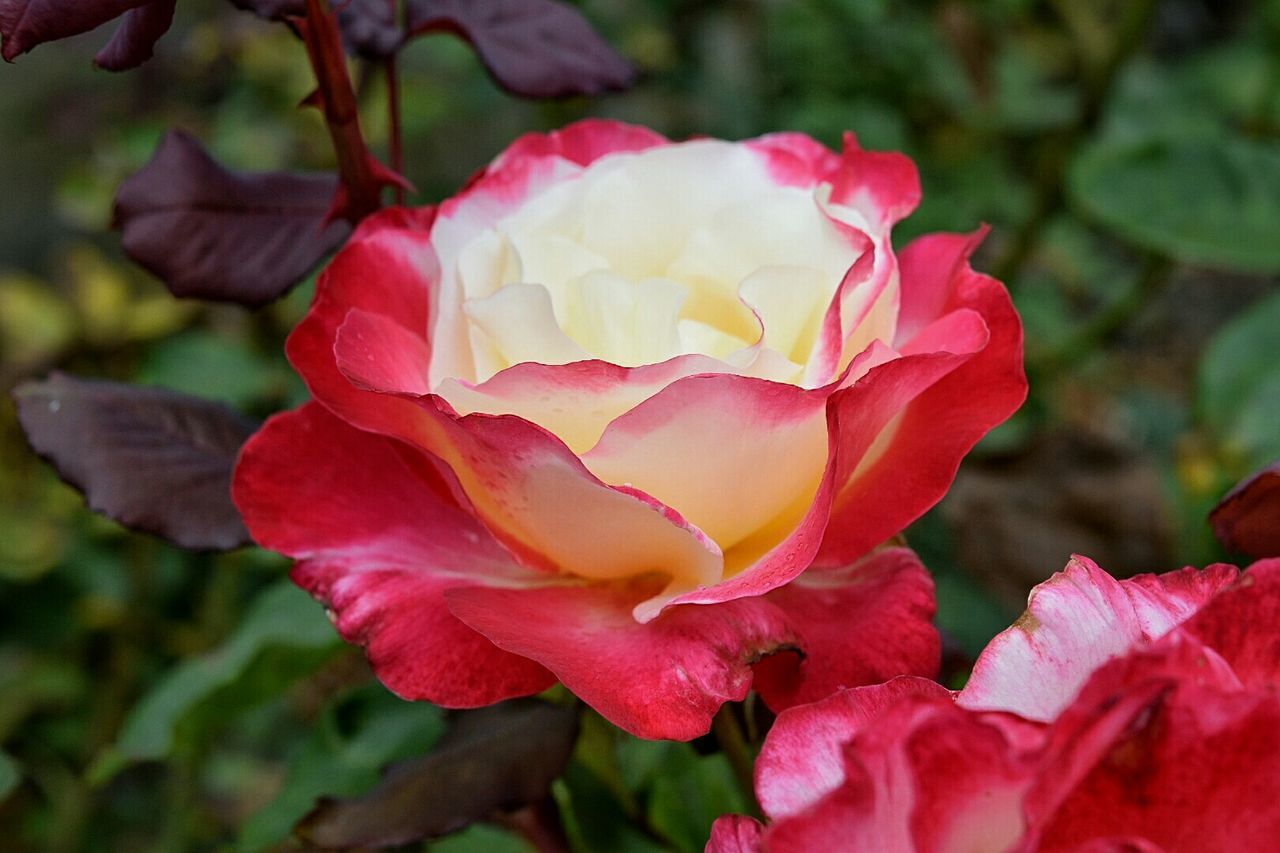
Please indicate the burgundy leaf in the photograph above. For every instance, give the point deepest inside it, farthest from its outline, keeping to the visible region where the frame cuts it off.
(215, 234)
(369, 28)
(535, 48)
(1248, 518)
(27, 23)
(136, 36)
(151, 459)
(499, 758)
(272, 10)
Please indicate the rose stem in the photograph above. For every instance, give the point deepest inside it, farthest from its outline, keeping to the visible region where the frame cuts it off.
(729, 735)
(355, 163)
(393, 102)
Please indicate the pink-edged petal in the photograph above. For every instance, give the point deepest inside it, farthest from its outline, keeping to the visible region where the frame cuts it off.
(398, 248)
(377, 353)
(970, 774)
(861, 309)
(416, 646)
(860, 624)
(735, 834)
(1242, 623)
(924, 776)
(686, 446)
(582, 142)
(1162, 745)
(795, 159)
(1075, 622)
(930, 267)
(380, 542)
(539, 500)
(661, 679)
(803, 757)
(527, 487)
(938, 413)
(574, 401)
(883, 185)
(855, 417)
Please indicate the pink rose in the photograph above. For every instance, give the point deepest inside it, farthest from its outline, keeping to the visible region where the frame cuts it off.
(1135, 715)
(590, 419)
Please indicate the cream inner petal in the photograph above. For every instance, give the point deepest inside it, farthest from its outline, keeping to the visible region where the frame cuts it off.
(624, 322)
(726, 480)
(689, 251)
(520, 325)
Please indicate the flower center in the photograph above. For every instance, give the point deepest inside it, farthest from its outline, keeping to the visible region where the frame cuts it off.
(688, 248)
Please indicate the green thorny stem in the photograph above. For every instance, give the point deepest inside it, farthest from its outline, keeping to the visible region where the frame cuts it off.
(728, 734)
(356, 165)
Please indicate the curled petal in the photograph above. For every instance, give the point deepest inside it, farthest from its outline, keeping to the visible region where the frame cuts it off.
(1230, 622)
(935, 422)
(803, 759)
(379, 541)
(736, 834)
(686, 446)
(678, 668)
(885, 601)
(524, 484)
(883, 185)
(1165, 746)
(796, 159)
(925, 776)
(1075, 622)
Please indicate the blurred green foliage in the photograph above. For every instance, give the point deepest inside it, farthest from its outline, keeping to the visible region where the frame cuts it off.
(1126, 153)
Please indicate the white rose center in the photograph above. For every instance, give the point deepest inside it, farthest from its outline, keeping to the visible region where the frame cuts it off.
(642, 257)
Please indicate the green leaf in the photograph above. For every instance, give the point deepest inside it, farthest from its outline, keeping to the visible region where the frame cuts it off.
(481, 838)
(593, 817)
(689, 794)
(214, 367)
(10, 775)
(1208, 201)
(337, 763)
(284, 635)
(1238, 393)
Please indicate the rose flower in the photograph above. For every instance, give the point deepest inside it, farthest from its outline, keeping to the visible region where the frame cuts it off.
(1132, 716)
(591, 419)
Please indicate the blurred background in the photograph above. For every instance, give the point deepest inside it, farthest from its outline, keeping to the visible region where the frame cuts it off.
(1125, 152)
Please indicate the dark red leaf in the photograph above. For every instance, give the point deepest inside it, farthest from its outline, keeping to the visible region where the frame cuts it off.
(1248, 518)
(272, 10)
(27, 23)
(151, 459)
(136, 37)
(535, 48)
(215, 234)
(369, 28)
(495, 759)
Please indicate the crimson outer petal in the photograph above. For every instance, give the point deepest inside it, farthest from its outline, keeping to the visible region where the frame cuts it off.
(895, 766)
(666, 678)
(1174, 745)
(886, 601)
(941, 424)
(380, 543)
(1161, 747)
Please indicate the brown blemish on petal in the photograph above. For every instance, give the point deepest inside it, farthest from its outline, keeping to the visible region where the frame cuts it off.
(1027, 622)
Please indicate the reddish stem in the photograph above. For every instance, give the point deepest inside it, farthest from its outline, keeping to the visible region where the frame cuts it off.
(338, 99)
(396, 143)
